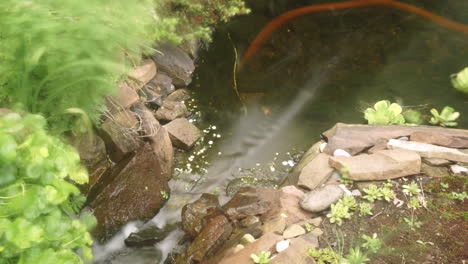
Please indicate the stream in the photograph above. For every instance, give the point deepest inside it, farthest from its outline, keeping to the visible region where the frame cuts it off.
(315, 71)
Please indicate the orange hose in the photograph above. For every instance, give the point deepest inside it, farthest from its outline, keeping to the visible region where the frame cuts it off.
(282, 19)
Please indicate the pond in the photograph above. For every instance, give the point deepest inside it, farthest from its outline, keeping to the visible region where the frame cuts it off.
(314, 71)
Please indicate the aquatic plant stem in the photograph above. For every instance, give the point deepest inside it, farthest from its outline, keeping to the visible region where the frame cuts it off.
(234, 76)
(277, 22)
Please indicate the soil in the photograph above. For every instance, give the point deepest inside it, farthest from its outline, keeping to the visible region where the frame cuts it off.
(441, 238)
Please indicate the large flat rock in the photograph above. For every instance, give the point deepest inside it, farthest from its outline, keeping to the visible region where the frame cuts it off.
(356, 138)
(183, 134)
(142, 74)
(382, 165)
(439, 139)
(316, 172)
(429, 150)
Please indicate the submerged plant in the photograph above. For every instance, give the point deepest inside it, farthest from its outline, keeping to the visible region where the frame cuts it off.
(446, 118)
(384, 113)
(460, 80)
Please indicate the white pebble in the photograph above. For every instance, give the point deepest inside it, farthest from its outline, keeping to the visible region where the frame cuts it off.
(403, 138)
(291, 163)
(272, 169)
(285, 163)
(356, 193)
(213, 127)
(343, 187)
(341, 153)
(282, 245)
(322, 146)
(457, 169)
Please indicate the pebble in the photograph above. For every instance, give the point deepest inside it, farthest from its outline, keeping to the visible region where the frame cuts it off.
(341, 153)
(293, 231)
(322, 146)
(343, 187)
(238, 248)
(247, 239)
(457, 169)
(356, 193)
(282, 245)
(403, 138)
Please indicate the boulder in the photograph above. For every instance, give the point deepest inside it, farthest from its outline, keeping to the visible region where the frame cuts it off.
(143, 73)
(356, 138)
(178, 95)
(183, 134)
(126, 96)
(266, 242)
(162, 147)
(293, 177)
(439, 139)
(429, 151)
(176, 63)
(150, 96)
(193, 213)
(316, 172)
(296, 253)
(148, 123)
(134, 191)
(321, 198)
(435, 172)
(171, 110)
(120, 132)
(208, 241)
(382, 165)
(91, 148)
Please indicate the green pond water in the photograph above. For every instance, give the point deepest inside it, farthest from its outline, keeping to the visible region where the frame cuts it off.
(313, 72)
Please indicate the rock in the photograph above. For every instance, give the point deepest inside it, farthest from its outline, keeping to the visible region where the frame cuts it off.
(315, 173)
(356, 138)
(276, 225)
(264, 243)
(121, 134)
(293, 177)
(178, 95)
(317, 232)
(171, 110)
(356, 193)
(143, 73)
(322, 146)
(147, 236)
(162, 147)
(289, 205)
(340, 153)
(250, 221)
(435, 162)
(384, 164)
(321, 198)
(126, 97)
(293, 231)
(134, 191)
(428, 150)
(313, 221)
(91, 148)
(162, 84)
(183, 134)
(137, 256)
(247, 239)
(211, 237)
(193, 213)
(238, 248)
(282, 245)
(149, 125)
(296, 253)
(457, 169)
(380, 145)
(151, 97)
(176, 63)
(439, 139)
(435, 172)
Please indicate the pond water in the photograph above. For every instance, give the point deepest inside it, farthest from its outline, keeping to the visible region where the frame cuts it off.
(313, 72)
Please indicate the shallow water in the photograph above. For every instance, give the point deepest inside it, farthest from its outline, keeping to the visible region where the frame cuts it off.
(315, 71)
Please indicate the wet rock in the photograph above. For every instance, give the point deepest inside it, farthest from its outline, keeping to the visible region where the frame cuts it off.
(126, 97)
(137, 256)
(91, 148)
(235, 185)
(356, 138)
(266, 242)
(211, 237)
(293, 231)
(151, 97)
(316, 172)
(435, 172)
(247, 239)
(439, 139)
(120, 132)
(143, 73)
(162, 147)
(134, 192)
(457, 169)
(276, 225)
(162, 84)
(147, 236)
(321, 198)
(250, 221)
(176, 63)
(193, 213)
(293, 177)
(178, 95)
(435, 162)
(183, 134)
(171, 110)
(429, 151)
(148, 123)
(384, 164)
(296, 253)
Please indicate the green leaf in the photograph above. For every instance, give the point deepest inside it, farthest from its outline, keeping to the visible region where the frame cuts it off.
(7, 148)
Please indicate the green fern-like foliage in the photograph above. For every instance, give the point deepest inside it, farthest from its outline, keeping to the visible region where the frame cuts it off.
(60, 54)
